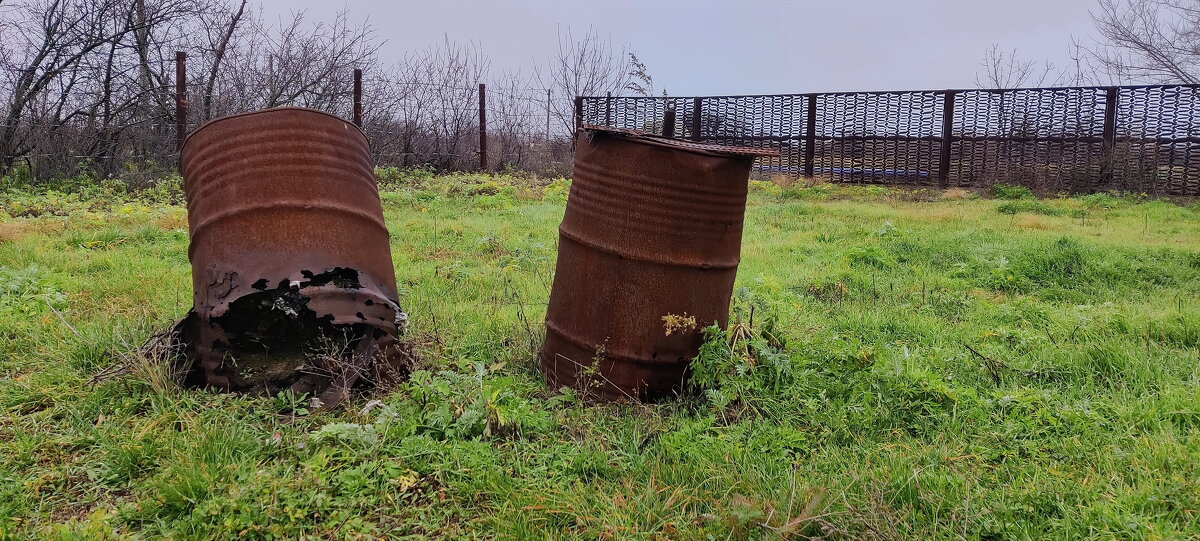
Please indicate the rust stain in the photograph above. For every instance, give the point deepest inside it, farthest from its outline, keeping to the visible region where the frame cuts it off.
(290, 256)
(652, 234)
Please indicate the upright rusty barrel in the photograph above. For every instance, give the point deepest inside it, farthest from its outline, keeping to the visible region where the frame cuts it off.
(650, 242)
(288, 247)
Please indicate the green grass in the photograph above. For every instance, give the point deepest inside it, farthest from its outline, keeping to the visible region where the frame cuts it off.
(1077, 415)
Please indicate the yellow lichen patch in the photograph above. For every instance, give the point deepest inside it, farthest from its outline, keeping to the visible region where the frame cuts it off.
(673, 323)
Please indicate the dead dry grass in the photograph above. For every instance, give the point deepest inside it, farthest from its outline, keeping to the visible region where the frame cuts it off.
(957, 194)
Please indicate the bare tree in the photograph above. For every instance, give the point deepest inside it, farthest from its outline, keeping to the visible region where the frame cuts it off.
(393, 113)
(58, 35)
(303, 64)
(78, 61)
(640, 81)
(1149, 41)
(587, 66)
(513, 119)
(449, 75)
(88, 81)
(1004, 69)
(219, 44)
(424, 109)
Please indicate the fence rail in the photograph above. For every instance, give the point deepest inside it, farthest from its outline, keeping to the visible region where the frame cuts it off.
(1061, 139)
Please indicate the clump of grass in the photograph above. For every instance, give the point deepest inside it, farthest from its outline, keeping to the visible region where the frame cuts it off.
(1012, 192)
(763, 186)
(1029, 207)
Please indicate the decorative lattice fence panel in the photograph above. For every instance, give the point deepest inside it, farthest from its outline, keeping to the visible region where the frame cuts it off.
(1068, 139)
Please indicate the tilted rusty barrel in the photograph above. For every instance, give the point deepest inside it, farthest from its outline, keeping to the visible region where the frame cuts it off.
(289, 254)
(650, 242)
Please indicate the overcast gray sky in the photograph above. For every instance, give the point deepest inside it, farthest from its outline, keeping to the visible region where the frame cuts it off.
(703, 47)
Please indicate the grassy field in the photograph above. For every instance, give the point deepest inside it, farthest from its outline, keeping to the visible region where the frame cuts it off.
(959, 368)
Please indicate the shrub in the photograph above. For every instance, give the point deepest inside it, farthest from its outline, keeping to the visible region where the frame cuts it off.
(1008, 191)
(557, 190)
(1101, 201)
(412, 176)
(744, 360)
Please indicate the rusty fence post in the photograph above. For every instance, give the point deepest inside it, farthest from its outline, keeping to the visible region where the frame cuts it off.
(669, 121)
(696, 113)
(947, 136)
(358, 97)
(181, 105)
(1109, 135)
(608, 110)
(578, 112)
(810, 136)
(482, 126)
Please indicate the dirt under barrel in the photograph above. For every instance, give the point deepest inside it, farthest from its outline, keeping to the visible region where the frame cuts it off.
(289, 254)
(650, 243)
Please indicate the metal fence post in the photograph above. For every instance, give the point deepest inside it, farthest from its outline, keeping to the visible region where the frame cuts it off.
(608, 110)
(578, 120)
(810, 136)
(482, 126)
(547, 114)
(668, 129)
(181, 104)
(696, 115)
(358, 97)
(1109, 136)
(947, 133)
(578, 113)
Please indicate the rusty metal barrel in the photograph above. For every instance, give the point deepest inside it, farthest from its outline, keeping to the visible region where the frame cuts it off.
(648, 252)
(287, 242)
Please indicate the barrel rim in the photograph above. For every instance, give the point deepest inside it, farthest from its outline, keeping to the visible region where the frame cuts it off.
(268, 111)
(707, 149)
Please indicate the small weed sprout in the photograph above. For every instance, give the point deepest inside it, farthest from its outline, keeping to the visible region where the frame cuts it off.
(674, 323)
(590, 373)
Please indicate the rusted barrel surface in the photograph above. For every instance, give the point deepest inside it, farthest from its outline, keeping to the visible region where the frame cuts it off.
(287, 241)
(653, 229)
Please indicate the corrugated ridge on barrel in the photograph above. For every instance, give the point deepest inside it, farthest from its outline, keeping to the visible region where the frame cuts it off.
(669, 211)
(324, 191)
(231, 170)
(660, 202)
(239, 152)
(651, 228)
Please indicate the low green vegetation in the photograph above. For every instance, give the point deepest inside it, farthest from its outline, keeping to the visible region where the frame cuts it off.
(898, 366)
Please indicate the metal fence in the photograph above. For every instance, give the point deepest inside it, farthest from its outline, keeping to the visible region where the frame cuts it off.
(1066, 139)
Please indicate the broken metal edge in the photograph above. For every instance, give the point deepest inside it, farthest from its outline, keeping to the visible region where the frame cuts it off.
(681, 144)
(273, 110)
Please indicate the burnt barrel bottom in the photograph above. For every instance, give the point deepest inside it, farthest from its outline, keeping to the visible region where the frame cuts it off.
(605, 333)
